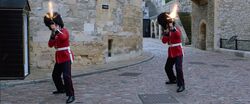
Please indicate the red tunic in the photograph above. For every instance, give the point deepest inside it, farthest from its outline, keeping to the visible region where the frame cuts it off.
(61, 40)
(173, 38)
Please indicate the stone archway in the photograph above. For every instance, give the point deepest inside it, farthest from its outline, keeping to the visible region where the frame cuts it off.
(152, 28)
(152, 31)
(159, 31)
(202, 35)
(156, 28)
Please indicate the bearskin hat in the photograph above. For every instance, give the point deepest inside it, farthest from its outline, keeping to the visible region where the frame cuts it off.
(56, 19)
(164, 19)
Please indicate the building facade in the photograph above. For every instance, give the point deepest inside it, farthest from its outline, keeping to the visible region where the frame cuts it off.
(220, 24)
(100, 31)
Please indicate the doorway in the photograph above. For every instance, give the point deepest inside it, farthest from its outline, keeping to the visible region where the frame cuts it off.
(202, 36)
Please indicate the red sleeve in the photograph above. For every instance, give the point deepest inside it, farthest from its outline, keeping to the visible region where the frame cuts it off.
(165, 39)
(51, 43)
(64, 35)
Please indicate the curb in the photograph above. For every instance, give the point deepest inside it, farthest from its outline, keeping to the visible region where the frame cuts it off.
(148, 55)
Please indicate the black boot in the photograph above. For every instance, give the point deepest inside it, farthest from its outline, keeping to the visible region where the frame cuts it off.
(70, 99)
(59, 92)
(170, 82)
(180, 89)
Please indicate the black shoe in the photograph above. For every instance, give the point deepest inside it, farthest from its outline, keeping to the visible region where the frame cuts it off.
(180, 89)
(58, 92)
(70, 99)
(170, 82)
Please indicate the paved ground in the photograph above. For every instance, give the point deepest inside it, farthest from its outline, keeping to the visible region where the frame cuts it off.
(211, 78)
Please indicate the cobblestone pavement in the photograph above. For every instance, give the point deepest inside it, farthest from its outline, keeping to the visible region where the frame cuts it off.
(210, 77)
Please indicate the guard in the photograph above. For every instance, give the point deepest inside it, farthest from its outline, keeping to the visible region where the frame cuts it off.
(59, 39)
(172, 36)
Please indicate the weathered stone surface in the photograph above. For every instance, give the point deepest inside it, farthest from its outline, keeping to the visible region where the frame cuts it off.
(223, 18)
(42, 36)
(90, 27)
(233, 18)
(199, 17)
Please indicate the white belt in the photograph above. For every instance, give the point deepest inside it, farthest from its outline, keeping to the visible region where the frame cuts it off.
(66, 48)
(63, 48)
(177, 44)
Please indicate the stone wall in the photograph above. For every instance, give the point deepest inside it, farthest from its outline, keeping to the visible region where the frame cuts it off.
(185, 6)
(232, 18)
(223, 18)
(90, 28)
(210, 23)
(199, 16)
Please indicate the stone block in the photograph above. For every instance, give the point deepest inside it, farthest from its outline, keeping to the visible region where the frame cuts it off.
(89, 27)
(81, 61)
(72, 2)
(42, 36)
(45, 64)
(64, 10)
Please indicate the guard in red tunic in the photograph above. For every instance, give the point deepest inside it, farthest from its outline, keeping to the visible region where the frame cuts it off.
(172, 36)
(59, 39)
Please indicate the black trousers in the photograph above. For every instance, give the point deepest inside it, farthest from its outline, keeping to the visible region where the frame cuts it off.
(65, 69)
(177, 61)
